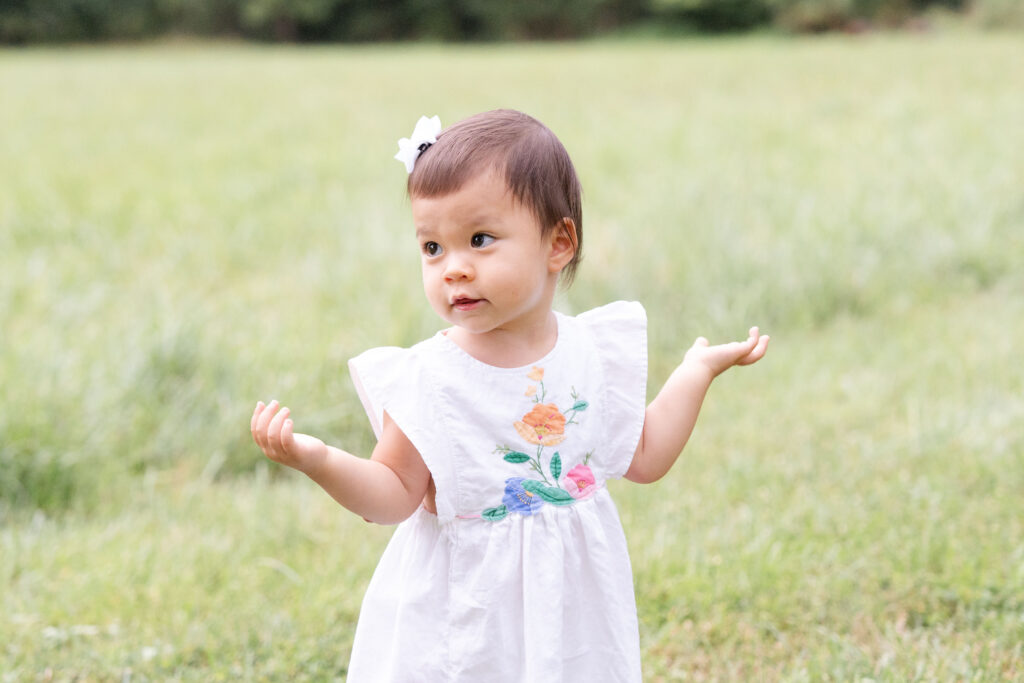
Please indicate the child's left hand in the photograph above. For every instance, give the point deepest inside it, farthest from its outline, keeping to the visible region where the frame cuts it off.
(670, 417)
(719, 358)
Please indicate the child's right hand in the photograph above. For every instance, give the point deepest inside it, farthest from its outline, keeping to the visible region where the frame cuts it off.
(272, 431)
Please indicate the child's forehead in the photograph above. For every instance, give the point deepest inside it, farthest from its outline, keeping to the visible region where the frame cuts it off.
(474, 177)
(485, 192)
(482, 200)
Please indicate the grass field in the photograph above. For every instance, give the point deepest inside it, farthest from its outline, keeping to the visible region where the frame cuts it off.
(186, 229)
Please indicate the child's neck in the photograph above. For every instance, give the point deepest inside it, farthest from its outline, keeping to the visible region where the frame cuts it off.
(508, 348)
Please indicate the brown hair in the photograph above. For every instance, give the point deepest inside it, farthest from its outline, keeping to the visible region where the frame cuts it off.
(535, 165)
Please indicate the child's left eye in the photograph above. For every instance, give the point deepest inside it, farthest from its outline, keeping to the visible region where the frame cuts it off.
(480, 240)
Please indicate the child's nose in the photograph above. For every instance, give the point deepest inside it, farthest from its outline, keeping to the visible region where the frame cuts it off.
(458, 268)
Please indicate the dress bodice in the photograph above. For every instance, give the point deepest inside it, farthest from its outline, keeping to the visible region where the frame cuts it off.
(516, 441)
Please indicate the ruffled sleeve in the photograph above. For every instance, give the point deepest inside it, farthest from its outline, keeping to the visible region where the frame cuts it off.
(377, 375)
(394, 380)
(619, 333)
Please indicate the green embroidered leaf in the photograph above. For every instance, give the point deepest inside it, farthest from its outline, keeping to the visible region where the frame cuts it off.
(549, 494)
(495, 514)
(516, 457)
(556, 496)
(556, 466)
(580, 405)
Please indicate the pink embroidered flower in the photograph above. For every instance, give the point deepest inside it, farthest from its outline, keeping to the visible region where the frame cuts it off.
(544, 425)
(580, 482)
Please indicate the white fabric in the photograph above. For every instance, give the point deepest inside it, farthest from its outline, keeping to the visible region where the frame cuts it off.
(542, 591)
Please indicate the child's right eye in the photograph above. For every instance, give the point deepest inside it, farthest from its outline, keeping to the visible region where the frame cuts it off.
(431, 248)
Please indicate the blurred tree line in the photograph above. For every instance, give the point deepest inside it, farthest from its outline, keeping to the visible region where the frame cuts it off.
(27, 21)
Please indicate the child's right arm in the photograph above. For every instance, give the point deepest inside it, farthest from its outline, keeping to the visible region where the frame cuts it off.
(385, 489)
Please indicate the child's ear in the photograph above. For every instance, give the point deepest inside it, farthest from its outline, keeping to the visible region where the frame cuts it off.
(563, 245)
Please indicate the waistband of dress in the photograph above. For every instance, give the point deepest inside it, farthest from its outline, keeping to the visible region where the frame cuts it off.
(536, 501)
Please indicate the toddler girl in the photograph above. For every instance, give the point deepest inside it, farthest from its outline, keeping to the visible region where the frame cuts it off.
(497, 435)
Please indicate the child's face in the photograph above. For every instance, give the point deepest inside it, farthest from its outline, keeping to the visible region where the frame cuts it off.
(486, 267)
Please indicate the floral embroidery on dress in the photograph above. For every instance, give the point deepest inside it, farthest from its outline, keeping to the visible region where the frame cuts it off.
(583, 483)
(544, 427)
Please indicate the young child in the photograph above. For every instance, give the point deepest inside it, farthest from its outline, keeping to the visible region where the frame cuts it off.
(497, 435)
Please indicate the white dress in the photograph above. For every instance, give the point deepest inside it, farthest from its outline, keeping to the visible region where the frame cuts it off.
(523, 573)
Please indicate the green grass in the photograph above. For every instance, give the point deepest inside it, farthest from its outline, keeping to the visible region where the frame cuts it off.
(187, 229)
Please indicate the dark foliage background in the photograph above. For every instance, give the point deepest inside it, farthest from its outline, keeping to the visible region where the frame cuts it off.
(29, 21)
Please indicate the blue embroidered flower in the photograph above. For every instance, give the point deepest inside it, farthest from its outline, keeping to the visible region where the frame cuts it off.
(518, 499)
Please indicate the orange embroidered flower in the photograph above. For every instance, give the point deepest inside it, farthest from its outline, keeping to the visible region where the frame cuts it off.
(544, 425)
(531, 390)
(536, 374)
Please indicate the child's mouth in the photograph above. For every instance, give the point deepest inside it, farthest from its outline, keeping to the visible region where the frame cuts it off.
(464, 304)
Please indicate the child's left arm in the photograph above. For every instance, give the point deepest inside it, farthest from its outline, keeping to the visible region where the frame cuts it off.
(672, 414)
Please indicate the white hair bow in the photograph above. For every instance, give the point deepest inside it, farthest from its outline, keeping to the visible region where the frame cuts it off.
(423, 136)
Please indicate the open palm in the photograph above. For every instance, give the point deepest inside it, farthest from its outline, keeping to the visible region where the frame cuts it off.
(720, 357)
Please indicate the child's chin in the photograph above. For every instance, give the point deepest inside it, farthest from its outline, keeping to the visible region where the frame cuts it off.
(471, 328)
(471, 321)
(475, 328)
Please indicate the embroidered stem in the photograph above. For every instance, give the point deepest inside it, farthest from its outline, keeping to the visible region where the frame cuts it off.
(535, 464)
(578, 406)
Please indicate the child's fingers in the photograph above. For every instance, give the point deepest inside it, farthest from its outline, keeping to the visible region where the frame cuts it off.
(284, 435)
(266, 415)
(287, 435)
(255, 417)
(751, 340)
(254, 423)
(757, 353)
(262, 422)
(274, 432)
(734, 352)
(747, 345)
